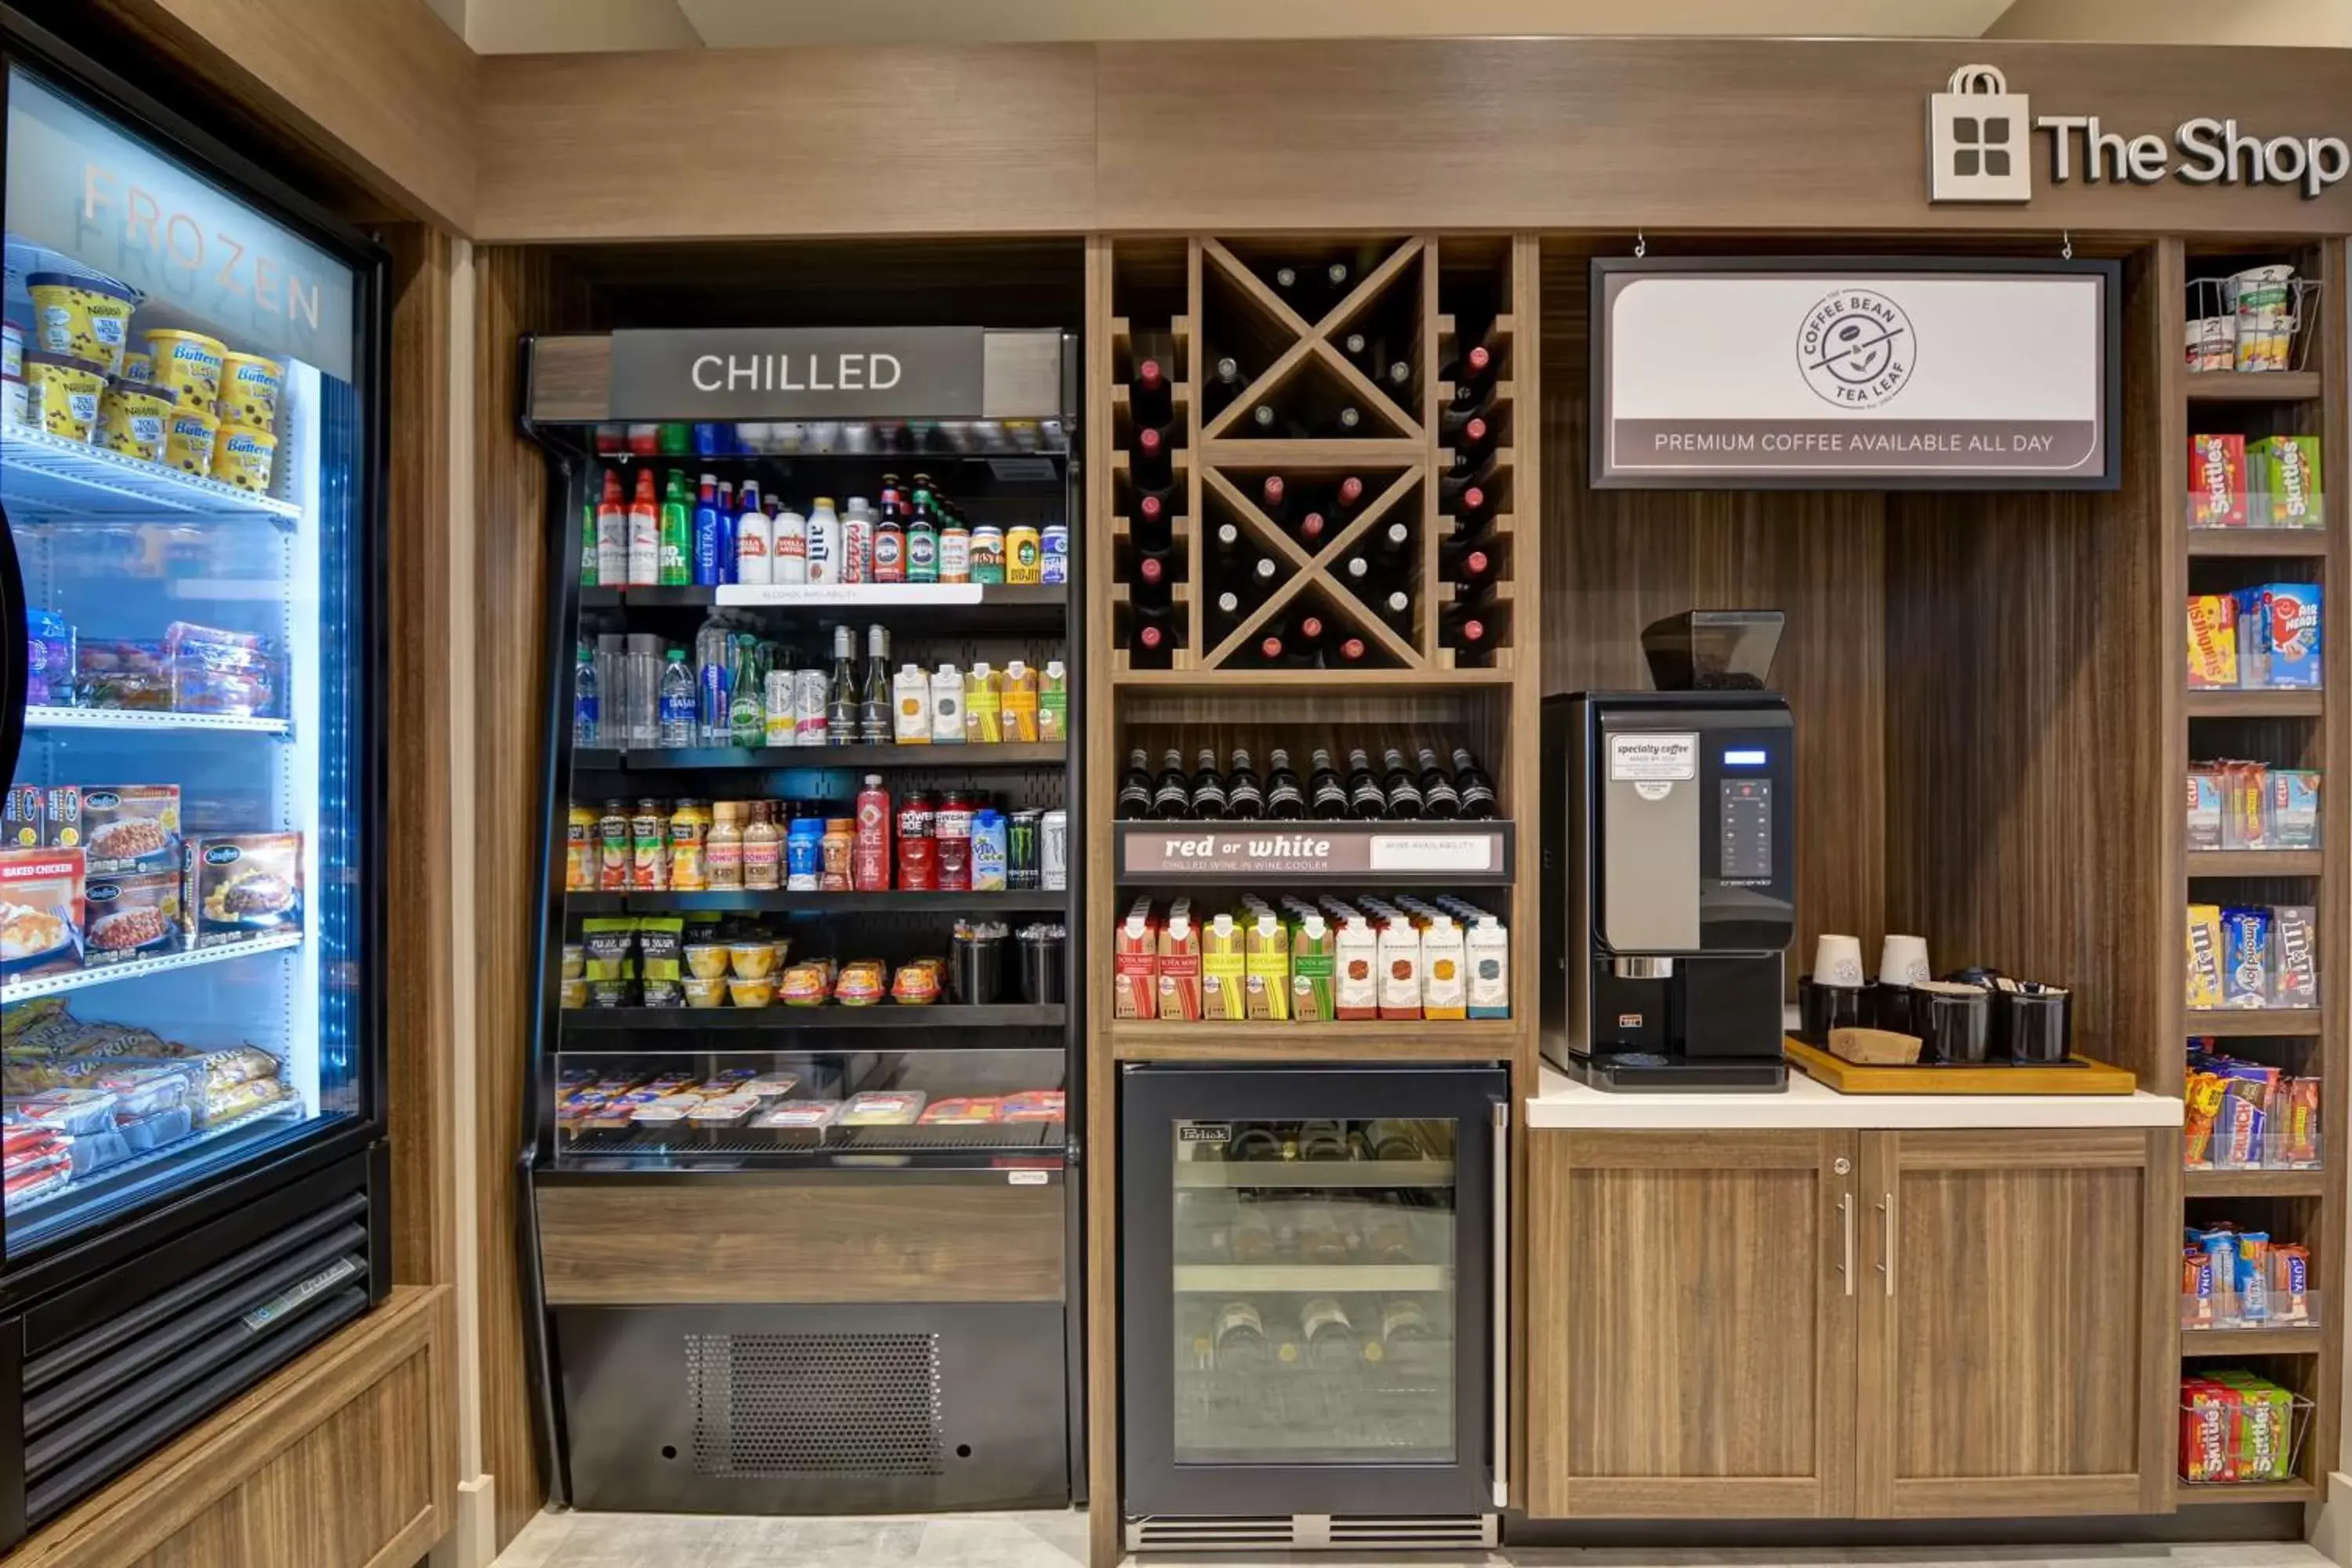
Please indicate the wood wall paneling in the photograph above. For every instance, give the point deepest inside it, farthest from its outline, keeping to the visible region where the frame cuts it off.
(361, 1422)
(744, 143)
(380, 88)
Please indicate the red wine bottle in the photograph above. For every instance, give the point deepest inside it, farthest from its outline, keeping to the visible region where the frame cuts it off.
(1150, 647)
(1347, 497)
(1273, 497)
(1154, 523)
(1472, 571)
(1466, 498)
(1149, 459)
(1464, 629)
(1153, 584)
(1472, 369)
(1312, 529)
(1473, 442)
(1350, 652)
(1469, 403)
(1150, 396)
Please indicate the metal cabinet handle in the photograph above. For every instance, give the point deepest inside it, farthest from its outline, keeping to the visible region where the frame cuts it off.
(1502, 1305)
(1887, 1241)
(1846, 1221)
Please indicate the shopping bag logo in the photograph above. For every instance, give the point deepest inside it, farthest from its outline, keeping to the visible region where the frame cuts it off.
(1977, 133)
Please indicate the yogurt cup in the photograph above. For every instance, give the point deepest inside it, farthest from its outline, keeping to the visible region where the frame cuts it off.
(187, 366)
(188, 436)
(249, 385)
(83, 315)
(243, 457)
(67, 391)
(131, 418)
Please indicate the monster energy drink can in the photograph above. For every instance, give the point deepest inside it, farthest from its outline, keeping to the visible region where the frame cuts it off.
(1054, 850)
(1021, 851)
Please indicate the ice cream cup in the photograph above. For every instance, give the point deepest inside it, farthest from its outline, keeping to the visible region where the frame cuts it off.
(187, 366)
(82, 315)
(188, 437)
(131, 419)
(67, 391)
(243, 457)
(249, 385)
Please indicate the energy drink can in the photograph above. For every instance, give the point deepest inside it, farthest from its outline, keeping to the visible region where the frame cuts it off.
(812, 702)
(1054, 564)
(1022, 851)
(1054, 850)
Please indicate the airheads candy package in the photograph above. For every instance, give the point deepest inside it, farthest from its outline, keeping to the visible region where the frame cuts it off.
(2213, 640)
(2217, 481)
(2284, 473)
(2278, 634)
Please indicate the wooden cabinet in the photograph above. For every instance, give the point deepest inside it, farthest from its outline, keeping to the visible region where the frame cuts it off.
(2016, 1325)
(1823, 1324)
(1692, 1315)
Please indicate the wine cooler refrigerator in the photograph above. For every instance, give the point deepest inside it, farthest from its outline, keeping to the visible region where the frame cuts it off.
(1314, 1289)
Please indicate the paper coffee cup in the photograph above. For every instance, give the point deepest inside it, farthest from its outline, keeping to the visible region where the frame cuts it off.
(1903, 961)
(1837, 961)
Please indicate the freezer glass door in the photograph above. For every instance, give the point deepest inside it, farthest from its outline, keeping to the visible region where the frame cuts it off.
(181, 471)
(1314, 1287)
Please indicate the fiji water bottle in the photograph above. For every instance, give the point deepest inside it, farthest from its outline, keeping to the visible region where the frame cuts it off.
(583, 698)
(678, 700)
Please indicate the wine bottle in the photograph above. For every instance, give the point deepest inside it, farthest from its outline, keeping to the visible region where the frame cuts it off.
(875, 702)
(1366, 800)
(1362, 351)
(1291, 284)
(1150, 459)
(1150, 646)
(1245, 796)
(1150, 399)
(1471, 568)
(1396, 608)
(1472, 443)
(1347, 496)
(1404, 799)
(1172, 796)
(1224, 384)
(1350, 652)
(1472, 367)
(1397, 380)
(1154, 522)
(1326, 796)
(1347, 421)
(1440, 800)
(1471, 783)
(1334, 281)
(1464, 499)
(1390, 541)
(1273, 497)
(1463, 629)
(1284, 802)
(1468, 402)
(1135, 788)
(1266, 424)
(1208, 800)
(1311, 530)
(1306, 638)
(1152, 589)
(1227, 541)
(1273, 653)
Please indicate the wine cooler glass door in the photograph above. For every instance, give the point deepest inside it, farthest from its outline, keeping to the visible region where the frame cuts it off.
(1321, 1334)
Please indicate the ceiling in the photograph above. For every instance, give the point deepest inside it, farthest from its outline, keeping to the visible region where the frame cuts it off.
(537, 27)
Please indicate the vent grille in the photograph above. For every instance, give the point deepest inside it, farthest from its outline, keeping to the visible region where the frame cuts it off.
(801, 1404)
(1316, 1533)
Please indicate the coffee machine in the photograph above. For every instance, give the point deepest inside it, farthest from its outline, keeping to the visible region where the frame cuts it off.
(1669, 875)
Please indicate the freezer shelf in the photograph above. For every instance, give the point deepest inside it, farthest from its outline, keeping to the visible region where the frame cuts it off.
(47, 479)
(1242, 1278)
(288, 1110)
(40, 718)
(133, 969)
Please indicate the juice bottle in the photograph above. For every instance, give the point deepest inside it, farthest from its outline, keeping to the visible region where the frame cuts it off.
(870, 866)
(689, 826)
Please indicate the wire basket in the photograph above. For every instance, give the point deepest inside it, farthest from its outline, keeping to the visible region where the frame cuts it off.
(2246, 323)
(2239, 1430)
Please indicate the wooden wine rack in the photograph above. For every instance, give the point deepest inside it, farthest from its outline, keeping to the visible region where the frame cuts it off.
(1221, 300)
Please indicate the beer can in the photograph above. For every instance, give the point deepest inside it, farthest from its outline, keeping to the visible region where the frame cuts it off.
(1020, 850)
(1054, 850)
(1023, 554)
(1053, 565)
(810, 698)
(776, 707)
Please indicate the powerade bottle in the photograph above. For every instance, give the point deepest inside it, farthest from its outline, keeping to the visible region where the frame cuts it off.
(705, 533)
(676, 709)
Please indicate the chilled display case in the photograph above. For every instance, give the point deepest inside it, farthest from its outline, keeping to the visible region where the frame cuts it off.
(1312, 1267)
(800, 1229)
(190, 1105)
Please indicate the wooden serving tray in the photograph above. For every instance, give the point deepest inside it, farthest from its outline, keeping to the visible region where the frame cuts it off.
(2080, 1075)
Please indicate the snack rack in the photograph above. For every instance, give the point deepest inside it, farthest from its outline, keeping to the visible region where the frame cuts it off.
(700, 1283)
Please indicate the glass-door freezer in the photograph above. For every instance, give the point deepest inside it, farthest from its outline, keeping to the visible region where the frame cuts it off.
(1312, 1263)
(190, 439)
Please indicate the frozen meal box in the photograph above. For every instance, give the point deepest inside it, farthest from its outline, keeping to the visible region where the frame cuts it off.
(132, 828)
(236, 886)
(2213, 640)
(2284, 479)
(130, 914)
(2217, 481)
(40, 910)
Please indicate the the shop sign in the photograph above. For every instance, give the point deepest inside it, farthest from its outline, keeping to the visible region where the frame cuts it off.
(1739, 373)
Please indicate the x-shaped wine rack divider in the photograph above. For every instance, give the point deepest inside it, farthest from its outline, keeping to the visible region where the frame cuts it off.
(1305, 568)
(1314, 339)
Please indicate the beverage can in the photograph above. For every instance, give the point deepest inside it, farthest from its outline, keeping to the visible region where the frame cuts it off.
(1022, 851)
(1054, 560)
(1023, 554)
(777, 710)
(955, 554)
(987, 554)
(812, 700)
(1054, 850)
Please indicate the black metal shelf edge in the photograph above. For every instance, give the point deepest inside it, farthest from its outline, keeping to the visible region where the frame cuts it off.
(784, 1020)
(1022, 901)
(1007, 597)
(1009, 755)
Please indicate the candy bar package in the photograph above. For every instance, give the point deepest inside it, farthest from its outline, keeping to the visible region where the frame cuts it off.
(2205, 805)
(2284, 475)
(2290, 1283)
(2213, 640)
(2279, 634)
(2245, 797)
(2197, 1305)
(2246, 935)
(2294, 963)
(2292, 816)
(2217, 478)
(2204, 955)
(2209, 1432)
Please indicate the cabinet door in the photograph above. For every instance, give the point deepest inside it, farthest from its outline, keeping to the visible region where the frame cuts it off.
(1692, 1310)
(2016, 1337)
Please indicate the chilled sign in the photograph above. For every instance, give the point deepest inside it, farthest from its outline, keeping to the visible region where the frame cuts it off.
(816, 372)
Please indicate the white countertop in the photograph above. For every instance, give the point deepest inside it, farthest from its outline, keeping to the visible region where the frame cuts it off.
(1808, 1105)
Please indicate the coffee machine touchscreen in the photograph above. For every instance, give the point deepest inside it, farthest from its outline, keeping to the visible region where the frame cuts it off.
(1746, 815)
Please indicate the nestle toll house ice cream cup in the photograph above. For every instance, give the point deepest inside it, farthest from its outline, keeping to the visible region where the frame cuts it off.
(67, 391)
(81, 315)
(131, 419)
